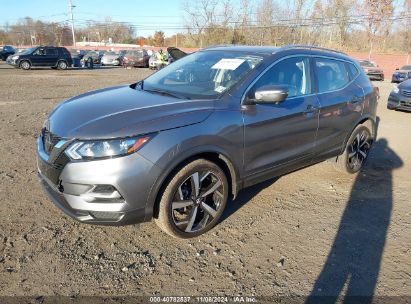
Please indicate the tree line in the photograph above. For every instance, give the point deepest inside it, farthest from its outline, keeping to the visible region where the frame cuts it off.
(349, 25)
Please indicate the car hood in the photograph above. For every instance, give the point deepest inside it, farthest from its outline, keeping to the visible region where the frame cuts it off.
(402, 71)
(372, 69)
(405, 85)
(124, 111)
(110, 57)
(176, 53)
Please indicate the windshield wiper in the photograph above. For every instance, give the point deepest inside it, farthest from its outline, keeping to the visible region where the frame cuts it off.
(162, 92)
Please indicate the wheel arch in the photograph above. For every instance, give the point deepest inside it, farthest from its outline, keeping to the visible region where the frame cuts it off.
(213, 155)
(368, 121)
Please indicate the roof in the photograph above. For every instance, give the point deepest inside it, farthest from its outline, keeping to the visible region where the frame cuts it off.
(269, 50)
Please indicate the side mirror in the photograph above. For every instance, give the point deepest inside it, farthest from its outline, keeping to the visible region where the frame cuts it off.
(271, 94)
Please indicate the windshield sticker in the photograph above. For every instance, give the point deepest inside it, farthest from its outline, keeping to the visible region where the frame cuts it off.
(220, 89)
(228, 64)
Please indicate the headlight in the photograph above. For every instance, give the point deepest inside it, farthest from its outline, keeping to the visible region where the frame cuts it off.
(396, 90)
(15, 57)
(88, 150)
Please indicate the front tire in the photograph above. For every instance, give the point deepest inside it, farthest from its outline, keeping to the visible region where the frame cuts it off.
(356, 151)
(25, 65)
(193, 200)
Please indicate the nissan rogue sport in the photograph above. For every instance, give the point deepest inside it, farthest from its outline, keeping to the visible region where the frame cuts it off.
(178, 144)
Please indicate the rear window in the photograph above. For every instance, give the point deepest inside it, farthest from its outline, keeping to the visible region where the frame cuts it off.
(135, 53)
(352, 69)
(331, 74)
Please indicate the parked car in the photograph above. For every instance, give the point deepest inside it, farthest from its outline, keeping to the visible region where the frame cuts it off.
(136, 58)
(154, 61)
(372, 70)
(176, 145)
(77, 53)
(402, 74)
(42, 56)
(400, 97)
(6, 51)
(94, 55)
(112, 58)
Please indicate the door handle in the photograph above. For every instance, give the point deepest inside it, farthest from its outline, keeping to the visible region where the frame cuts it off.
(310, 109)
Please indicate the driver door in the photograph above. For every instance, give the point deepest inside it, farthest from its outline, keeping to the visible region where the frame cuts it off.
(280, 137)
(39, 57)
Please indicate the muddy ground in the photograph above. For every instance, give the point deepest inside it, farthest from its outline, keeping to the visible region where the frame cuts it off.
(313, 231)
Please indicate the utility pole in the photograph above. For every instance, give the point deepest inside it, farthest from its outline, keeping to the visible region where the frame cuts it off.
(71, 6)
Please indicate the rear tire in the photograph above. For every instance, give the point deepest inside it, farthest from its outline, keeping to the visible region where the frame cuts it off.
(62, 65)
(193, 200)
(356, 151)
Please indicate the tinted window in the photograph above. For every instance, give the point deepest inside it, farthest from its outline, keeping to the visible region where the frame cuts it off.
(406, 67)
(352, 69)
(331, 74)
(51, 52)
(291, 72)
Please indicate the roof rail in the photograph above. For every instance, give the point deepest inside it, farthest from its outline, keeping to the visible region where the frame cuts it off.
(310, 47)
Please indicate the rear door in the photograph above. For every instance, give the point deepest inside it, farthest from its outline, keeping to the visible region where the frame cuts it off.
(281, 137)
(341, 102)
(51, 57)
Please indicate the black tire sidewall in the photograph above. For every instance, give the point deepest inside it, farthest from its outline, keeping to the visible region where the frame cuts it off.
(357, 130)
(60, 63)
(176, 181)
(22, 63)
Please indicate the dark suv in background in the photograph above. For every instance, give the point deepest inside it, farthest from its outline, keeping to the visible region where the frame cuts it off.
(42, 56)
(176, 145)
(6, 51)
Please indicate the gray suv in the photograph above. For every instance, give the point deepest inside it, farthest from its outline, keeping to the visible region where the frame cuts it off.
(178, 144)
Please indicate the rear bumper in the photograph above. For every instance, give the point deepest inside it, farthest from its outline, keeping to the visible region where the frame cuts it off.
(106, 192)
(376, 76)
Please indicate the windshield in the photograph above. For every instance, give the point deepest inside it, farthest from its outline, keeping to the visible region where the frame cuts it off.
(406, 67)
(110, 53)
(134, 53)
(203, 75)
(28, 51)
(367, 64)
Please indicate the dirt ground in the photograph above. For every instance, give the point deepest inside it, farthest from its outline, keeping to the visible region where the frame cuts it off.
(314, 231)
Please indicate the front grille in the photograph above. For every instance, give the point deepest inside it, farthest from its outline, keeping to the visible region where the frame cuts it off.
(406, 93)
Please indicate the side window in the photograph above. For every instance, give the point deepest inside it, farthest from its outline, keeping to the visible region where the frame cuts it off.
(40, 52)
(352, 69)
(51, 52)
(331, 74)
(292, 72)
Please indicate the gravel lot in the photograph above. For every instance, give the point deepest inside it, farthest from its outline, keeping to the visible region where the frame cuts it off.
(313, 231)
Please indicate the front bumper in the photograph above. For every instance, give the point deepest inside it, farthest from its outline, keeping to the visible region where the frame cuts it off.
(77, 188)
(397, 101)
(114, 62)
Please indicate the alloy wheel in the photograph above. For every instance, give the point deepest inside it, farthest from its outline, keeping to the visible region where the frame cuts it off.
(196, 201)
(358, 150)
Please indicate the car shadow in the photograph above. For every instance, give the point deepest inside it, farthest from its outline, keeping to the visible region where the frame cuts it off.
(354, 260)
(244, 196)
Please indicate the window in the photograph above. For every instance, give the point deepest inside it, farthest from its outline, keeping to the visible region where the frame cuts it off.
(352, 70)
(292, 72)
(331, 74)
(40, 52)
(51, 52)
